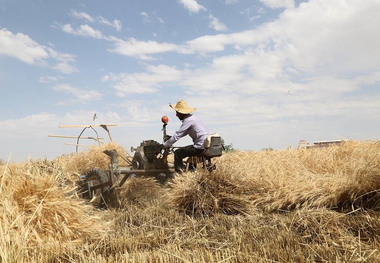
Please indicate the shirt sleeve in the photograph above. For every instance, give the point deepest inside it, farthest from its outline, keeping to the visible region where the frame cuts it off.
(183, 131)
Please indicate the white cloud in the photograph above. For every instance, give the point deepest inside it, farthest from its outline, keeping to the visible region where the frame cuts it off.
(48, 79)
(208, 43)
(221, 75)
(203, 45)
(65, 68)
(306, 37)
(307, 64)
(65, 61)
(81, 15)
(151, 18)
(256, 88)
(22, 47)
(140, 49)
(79, 94)
(115, 23)
(368, 79)
(82, 30)
(145, 17)
(141, 83)
(138, 113)
(216, 24)
(278, 3)
(160, 20)
(339, 40)
(192, 6)
(28, 126)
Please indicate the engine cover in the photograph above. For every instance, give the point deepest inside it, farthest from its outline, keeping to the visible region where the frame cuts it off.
(148, 156)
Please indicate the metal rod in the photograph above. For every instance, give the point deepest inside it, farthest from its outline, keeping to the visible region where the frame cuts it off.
(138, 172)
(75, 137)
(97, 135)
(128, 173)
(76, 148)
(124, 179)
(83, 126)
(82, 145)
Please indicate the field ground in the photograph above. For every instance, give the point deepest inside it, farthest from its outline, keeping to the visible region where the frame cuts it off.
(301, 205)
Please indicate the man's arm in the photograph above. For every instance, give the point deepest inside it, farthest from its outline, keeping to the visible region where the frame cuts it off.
(183, 131)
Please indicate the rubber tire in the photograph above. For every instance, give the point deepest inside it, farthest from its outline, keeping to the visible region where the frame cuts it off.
(101, 177)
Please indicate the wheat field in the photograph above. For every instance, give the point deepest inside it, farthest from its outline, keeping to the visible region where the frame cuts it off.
(300, 205)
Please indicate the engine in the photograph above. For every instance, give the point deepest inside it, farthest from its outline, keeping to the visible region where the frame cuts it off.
(148, 156)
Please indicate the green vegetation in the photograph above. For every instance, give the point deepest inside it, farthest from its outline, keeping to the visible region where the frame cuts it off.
(227, 147)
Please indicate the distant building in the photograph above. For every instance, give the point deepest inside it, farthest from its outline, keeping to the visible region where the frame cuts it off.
(328, 143)
(305, 144)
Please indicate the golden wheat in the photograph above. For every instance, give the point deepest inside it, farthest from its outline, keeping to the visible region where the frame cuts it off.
(302, 205)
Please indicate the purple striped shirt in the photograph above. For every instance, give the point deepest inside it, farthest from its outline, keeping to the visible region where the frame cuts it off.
(193, 127)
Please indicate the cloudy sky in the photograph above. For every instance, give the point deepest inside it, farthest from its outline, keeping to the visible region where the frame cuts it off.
(262, 73)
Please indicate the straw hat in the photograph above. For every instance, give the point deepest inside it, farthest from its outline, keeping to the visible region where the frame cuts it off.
(182, 107)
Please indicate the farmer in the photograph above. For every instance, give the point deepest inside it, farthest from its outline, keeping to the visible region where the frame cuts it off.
(191, 126)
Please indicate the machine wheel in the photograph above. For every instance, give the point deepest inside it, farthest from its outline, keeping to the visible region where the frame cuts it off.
(101, 196)
(138, 162)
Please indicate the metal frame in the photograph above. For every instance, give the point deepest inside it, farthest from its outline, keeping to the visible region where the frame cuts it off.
(97, 139)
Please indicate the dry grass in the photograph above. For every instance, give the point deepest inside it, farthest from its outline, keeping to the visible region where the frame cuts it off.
(38, 210)
(342, 177)
(140, 192)
(204, 194)
(311, 205)
(93, 158)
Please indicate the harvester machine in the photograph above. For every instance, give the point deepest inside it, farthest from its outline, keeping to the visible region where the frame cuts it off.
(149, 160)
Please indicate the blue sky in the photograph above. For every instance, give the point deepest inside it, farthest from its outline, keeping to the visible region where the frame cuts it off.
(262, 73)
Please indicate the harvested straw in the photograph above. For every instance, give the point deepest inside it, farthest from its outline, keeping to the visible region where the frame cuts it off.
(338, 177)
(314, 205)
(37, 210)
(93, 158)
(140, 192)
(341, 177)
(207, 194)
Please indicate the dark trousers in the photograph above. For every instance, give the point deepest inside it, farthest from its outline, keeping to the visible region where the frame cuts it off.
(183, 152)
